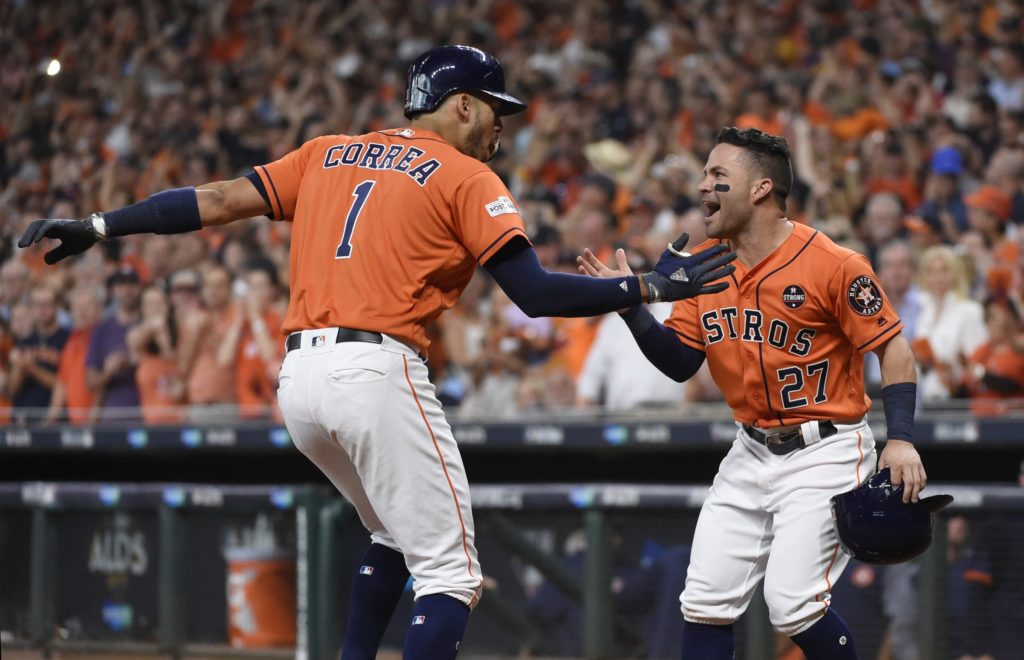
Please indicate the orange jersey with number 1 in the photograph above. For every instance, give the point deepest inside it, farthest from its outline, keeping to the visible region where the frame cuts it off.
(785, 341)
(388, 228)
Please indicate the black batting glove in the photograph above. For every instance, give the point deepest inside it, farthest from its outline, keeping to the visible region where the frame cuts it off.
(76, 236)
(680, 275)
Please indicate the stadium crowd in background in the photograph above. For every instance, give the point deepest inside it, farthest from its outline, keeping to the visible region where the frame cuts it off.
(905, 120)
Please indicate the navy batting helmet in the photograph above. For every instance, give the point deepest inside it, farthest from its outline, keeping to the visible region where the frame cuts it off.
(443, 71)
(876, 527)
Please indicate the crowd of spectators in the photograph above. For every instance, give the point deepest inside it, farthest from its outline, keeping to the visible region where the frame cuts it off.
(905, 120)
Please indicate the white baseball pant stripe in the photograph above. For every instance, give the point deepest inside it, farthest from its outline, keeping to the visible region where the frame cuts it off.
(367, 416)
(768, 516)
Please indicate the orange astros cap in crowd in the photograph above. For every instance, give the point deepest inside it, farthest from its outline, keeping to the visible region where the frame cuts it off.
(991, 199)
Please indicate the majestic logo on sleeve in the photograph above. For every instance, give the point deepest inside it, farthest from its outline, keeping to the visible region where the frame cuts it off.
(500, 206)
(793, 297)
(864, 296)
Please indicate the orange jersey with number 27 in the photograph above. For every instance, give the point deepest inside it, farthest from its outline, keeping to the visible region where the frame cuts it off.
(785, 341)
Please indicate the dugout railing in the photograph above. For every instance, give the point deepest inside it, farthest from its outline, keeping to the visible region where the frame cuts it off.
(608, 520)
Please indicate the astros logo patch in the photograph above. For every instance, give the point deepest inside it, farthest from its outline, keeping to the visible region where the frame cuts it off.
(793, 297)
(864, 296)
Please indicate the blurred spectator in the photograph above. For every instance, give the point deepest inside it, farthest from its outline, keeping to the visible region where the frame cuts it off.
(943, 208)
(882, 222)
(988, 210)
(255, 337)
(14, 282)
(209, 375)
(995, 373)
(950, 326)
(72, 396)
(969, 617)
(152, 350)
(184, 296)
(109, 374)
(35, 358)
(617, 377)
(896, 270)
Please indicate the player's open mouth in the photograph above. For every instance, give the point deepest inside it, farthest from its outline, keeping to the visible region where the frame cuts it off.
(712, 208)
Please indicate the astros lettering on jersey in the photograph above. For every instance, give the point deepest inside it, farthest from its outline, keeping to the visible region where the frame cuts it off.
(437, 214)
(785, 342)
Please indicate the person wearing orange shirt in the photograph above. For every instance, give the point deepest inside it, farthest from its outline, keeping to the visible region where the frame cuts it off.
(71, 392)
(785, 343)
(258, 352)
(995, 371)
(152, 349)
(388, 229)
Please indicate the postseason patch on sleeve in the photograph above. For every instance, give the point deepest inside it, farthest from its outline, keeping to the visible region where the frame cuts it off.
(500, 206)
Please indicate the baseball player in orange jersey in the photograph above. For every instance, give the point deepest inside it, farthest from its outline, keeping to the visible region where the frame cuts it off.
(785, 344)
(388, 229)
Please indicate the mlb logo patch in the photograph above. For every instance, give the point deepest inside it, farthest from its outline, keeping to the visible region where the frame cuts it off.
(319, 340)
(366, 570)
(419, 620)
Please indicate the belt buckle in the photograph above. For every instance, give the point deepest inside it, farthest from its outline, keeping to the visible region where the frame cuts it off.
(773, 438)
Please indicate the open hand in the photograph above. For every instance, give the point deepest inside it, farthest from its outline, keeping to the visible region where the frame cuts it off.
(680, 275)
(76, 236)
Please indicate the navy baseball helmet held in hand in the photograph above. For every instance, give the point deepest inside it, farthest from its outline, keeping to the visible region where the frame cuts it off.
(876, 527)
(440, 72)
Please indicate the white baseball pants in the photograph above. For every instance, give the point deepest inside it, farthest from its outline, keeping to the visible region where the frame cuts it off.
(768, 516)
(367, 416)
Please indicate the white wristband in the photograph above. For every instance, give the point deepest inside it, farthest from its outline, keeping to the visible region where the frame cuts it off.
(99, 225)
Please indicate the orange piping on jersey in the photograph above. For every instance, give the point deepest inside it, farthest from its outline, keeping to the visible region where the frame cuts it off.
(444, 468)
(760, 346)
(273, 188)
(860, 457)
(828, 582)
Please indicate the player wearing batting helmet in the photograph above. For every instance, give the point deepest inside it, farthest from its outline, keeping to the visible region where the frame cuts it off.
(388, 228)
(785, 344)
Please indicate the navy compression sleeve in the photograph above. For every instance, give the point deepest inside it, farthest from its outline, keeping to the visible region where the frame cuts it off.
(542, 293)
(661, 346)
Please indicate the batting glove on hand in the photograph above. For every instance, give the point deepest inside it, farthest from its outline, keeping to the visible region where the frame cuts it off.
(76, 236)
(680, 275)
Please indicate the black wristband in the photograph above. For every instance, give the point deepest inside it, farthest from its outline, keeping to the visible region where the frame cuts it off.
(899, 401)
(173, 211)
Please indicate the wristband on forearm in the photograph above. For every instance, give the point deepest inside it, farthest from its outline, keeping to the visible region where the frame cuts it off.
(173, 211)
(899, 401)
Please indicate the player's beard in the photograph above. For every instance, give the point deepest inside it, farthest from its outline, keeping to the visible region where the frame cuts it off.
(484, 148)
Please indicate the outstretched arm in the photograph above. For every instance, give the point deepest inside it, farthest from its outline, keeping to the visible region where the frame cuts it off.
(660, 345)
(537, 292)
(175, 211)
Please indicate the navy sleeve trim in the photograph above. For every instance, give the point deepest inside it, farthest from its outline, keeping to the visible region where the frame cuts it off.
(280, 208)
(895, 326)
(257, 182)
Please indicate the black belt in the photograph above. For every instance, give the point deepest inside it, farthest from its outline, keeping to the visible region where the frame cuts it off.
(781, 444)
(344, 334)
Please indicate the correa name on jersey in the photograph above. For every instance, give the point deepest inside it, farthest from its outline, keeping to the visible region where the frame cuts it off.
(377, 156)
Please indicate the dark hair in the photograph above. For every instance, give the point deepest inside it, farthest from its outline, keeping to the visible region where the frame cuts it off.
(768, 156)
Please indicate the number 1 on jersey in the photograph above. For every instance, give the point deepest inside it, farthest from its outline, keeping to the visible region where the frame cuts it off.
(361, 193)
